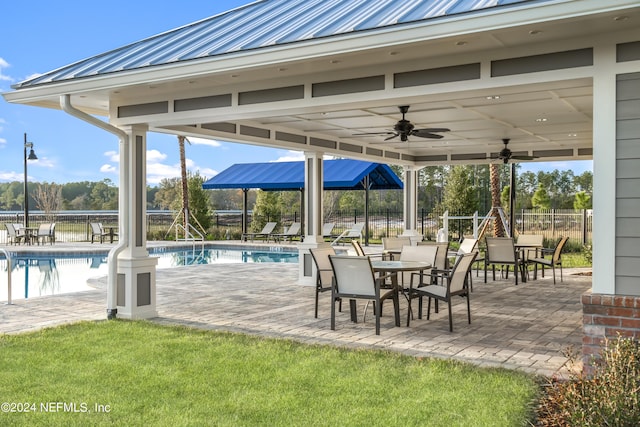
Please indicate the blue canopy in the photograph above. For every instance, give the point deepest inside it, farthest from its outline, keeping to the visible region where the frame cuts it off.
(343, 174)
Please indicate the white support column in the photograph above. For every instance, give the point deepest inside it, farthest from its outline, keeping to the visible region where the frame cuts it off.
(411, 204)
(136, 289)
(313, 212)
(604, 170)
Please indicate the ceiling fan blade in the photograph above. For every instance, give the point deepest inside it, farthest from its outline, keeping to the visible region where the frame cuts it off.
(428, 135)
(432, 130)
(523, 157)
(374, 133)
(395, 135)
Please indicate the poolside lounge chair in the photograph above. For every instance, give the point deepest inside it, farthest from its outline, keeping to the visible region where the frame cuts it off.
(354, 232)
(327, 229)
(98, 231)
(266, 232)
(292, 232)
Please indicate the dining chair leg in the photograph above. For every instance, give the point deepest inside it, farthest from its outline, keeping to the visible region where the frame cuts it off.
(428, 308)
(450, 315)
(377, 321)
(333, 310)
(396, 308)
(316, 314)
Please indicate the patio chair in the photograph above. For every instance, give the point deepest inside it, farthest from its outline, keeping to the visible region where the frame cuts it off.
(354, 279)
(529, 246)
(97, 231)
(455, 283)
(441, 261)
(501, 251)
(266, 232)
(14, 234)
(354, 232)
(292, 232)
(555, 259)
(324, 271)
(46, 231)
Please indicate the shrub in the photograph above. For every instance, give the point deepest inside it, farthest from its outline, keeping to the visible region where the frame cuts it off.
(610, 397)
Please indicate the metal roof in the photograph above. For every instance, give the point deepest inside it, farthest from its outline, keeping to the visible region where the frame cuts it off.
(343, 174)
(262, 24)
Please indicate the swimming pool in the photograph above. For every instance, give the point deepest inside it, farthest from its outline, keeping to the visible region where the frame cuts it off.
(58, 273)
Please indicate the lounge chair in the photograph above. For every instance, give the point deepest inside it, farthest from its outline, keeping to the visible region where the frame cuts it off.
(327, 230)
(354, 232)
(265, 233)
(291, 233)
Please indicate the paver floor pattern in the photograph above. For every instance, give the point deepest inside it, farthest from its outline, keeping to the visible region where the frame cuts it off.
(529, 327)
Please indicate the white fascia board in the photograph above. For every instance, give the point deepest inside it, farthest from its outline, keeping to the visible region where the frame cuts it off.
(446, 27)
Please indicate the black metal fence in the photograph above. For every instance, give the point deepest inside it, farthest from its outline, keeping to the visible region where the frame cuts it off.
(74, 227)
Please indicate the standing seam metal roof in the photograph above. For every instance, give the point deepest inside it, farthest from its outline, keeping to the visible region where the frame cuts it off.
(261, 24)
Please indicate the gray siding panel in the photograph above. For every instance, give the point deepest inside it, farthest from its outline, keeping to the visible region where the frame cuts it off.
(627, 226)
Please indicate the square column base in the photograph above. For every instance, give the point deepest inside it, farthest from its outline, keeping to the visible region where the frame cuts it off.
(307, 268)
(136, 288)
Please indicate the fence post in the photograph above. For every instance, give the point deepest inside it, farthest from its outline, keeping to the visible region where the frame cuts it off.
(522, 220)
(584, 227)
(553, 223)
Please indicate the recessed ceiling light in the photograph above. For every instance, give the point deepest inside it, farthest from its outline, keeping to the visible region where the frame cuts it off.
(393, 53)
(233, 76)
(573, 135)
(192, 82)
(541, 119)
(282, 69)
(621, 18)
(492, 97)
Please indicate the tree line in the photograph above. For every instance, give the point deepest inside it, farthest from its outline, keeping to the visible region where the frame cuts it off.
(460, 188)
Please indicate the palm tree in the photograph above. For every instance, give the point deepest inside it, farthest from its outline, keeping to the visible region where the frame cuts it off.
(494, 177)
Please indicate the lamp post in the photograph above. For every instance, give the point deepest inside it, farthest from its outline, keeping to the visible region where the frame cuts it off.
(32, 156)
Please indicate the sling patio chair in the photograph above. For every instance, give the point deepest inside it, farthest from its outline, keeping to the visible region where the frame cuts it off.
(291, 233)
(97, 231)
(46, 232)
(265, 233)
(555, 259)
(14, 234)
(324, 271)
(501, 251)
(455, 283)
(354, 279)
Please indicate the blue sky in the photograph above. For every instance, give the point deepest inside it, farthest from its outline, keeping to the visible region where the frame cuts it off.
(48, 35)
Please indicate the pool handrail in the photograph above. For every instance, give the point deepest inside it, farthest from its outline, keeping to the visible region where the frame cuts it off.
(9, 270)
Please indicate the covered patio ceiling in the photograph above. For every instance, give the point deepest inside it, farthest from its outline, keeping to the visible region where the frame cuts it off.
(521, 71)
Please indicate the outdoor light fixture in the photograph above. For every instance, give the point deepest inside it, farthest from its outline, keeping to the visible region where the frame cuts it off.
(31, 156)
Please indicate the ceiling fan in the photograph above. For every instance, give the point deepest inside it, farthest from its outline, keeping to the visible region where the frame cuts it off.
(506, 154)
(404, 129)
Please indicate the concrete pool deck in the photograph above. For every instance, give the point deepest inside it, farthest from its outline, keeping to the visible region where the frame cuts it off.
(529, 327)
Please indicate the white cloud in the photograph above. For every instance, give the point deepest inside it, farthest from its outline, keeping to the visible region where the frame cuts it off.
(207, 172)
(155, 156)
(2, 140)
(11, 176)
(106, 168)
(291, 156)
(43, 162)
(203, 141)
(113, 156)
(3, 63)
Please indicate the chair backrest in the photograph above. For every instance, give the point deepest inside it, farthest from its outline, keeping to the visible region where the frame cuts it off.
(294, 229)
(500, 249)
(460, 271)
(96, 227)
(467, 246)
(356, 230)
(354, 275)
(269, 227)
(441, 256)
(44, 229)
(327, 228)
(424, 253)
(530, 240)
(358, 248)
(558, 250)
(11, 230)
(389, 243)
(323, 264)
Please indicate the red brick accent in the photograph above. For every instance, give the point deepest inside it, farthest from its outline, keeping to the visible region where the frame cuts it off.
(606, 317)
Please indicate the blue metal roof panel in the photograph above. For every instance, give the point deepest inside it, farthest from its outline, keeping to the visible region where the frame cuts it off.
(344, 174)
(262, 24)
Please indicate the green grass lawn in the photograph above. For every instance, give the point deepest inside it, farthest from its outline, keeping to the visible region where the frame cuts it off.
(144, 374)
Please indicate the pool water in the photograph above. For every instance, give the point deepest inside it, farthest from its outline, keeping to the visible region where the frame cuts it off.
(41, 275)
